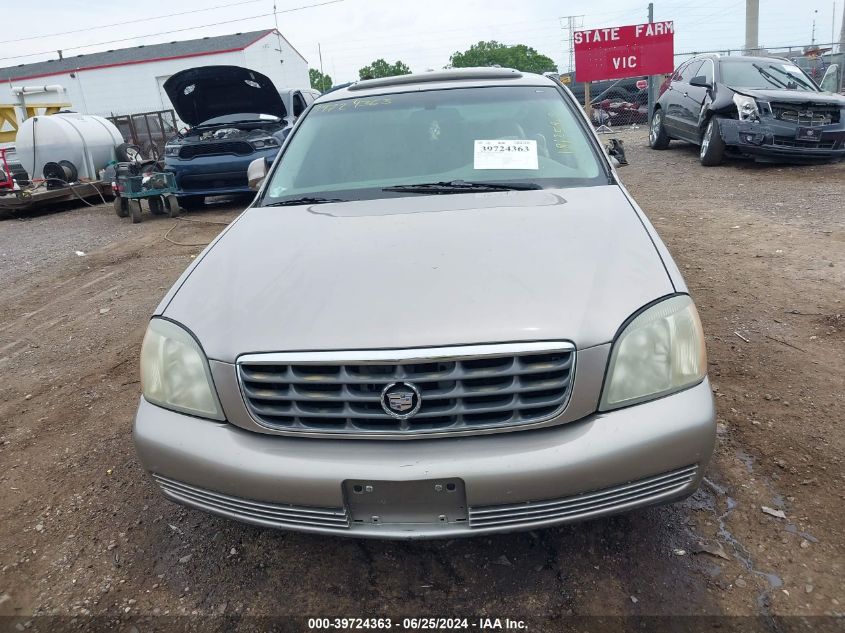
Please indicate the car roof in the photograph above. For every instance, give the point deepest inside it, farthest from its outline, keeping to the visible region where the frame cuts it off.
(438, 80)
(716, 57)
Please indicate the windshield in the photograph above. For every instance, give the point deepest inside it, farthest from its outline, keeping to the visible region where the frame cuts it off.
(766, 74)
(526, 134)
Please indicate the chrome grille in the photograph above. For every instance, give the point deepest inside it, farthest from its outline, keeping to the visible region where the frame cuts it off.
(602, 501)
(461, 388)
(239, 148)
(258, 512)
(806, 115)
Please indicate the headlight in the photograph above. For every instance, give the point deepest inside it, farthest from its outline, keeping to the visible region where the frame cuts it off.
(659, 352)
(265, 142)
(175, 373)
(171, 150)
(747, 108)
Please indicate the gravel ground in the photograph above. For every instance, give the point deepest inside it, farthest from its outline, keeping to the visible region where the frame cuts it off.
(85, 534)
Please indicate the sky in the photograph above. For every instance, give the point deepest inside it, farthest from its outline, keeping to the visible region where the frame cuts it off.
(353, 33)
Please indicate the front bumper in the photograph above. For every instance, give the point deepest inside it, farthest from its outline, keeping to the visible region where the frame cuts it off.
(214, 175)
(775, 140)
(603, 464)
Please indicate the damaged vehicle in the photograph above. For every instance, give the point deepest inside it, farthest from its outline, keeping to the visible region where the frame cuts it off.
(442, 315)
(236, 115)
(765, 108)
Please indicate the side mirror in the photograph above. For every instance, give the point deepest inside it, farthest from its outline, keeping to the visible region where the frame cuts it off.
(255, 173)
(615, 149)
(700, 82)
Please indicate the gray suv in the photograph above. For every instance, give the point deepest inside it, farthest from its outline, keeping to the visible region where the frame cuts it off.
(442, 315)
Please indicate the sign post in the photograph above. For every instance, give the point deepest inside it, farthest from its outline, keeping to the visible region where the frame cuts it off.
(588, 106)
(652, 79)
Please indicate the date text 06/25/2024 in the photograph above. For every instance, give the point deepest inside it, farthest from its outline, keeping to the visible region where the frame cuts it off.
(417, 624)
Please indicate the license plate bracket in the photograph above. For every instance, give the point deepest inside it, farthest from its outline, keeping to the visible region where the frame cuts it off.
(805, 133)
(429, 501)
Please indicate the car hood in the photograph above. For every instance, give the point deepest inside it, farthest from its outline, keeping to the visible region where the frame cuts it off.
(200, 94)
(422, 271)
(792, 96)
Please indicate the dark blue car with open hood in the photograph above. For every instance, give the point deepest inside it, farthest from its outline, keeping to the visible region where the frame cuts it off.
(235, 116)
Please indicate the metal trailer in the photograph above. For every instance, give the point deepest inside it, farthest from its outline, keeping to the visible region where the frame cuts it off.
(34, 197)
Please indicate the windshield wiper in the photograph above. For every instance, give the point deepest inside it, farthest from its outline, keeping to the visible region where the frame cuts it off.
(770, 76)
(303, 200)
(796, 81)
(461, 186)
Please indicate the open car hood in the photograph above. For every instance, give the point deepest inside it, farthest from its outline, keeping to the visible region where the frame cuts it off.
(793, 96)
(200, 94)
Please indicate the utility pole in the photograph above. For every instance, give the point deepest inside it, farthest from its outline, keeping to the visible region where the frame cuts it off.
(322, 76)
(652, 79)
(571, 26)
(278, 33)
(752, 26)
(813, 35)
(842, 34)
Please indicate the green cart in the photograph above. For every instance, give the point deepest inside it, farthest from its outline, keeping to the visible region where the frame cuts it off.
(157, 188)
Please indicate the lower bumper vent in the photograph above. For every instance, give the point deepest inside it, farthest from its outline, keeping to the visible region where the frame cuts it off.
(259, 513)
(607, 500)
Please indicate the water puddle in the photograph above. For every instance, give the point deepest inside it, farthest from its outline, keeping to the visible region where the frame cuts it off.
(746, 459)
(793, 529)
(740, 552)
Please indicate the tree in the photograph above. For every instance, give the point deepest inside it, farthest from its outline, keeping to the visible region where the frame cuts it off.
(494, 53)
(319, 81)
(381, 68)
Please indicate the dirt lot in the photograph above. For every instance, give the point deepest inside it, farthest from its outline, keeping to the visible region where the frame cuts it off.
(84, 532)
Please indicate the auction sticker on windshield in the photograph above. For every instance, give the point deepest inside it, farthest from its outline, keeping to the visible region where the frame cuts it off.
(505, 154)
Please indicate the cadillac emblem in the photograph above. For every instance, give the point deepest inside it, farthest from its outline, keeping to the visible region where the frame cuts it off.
(401, 400)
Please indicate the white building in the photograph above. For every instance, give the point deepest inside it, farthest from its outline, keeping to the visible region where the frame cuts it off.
(128, 80)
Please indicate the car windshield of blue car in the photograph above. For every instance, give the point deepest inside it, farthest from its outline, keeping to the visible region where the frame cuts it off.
(766, 75)
(443, 141)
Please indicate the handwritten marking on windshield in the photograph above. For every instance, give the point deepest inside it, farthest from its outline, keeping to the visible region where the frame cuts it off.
(341, 106)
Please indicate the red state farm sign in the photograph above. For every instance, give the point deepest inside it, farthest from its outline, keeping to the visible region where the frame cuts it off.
(624, 51)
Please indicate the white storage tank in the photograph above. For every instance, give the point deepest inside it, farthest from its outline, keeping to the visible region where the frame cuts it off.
(85, 140)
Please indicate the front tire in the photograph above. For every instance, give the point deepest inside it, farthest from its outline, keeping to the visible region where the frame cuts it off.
(135, 210)
(121, 206)
(657, 136)
(156, 205)
(712, 145)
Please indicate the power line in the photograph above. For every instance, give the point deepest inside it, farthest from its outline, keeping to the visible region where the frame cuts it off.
(124, 22)
(190, 28)
(513, 33)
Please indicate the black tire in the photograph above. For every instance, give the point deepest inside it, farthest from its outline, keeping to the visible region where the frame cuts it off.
(156, 205)
(121, 206)
(127, 153)
(712, 145)
(657, 136)
(172, 206)
(191, 202)
(135, 210)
